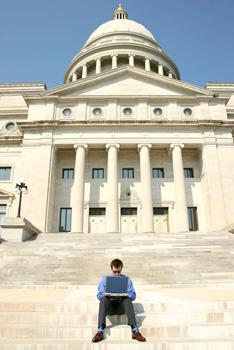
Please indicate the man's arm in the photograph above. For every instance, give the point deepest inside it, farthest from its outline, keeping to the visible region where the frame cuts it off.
(101, 288)
(131, 290)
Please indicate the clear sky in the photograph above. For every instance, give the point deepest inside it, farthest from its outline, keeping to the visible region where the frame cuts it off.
(38, 39)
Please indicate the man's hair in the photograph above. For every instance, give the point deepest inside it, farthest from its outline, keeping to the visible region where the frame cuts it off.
(116, 263)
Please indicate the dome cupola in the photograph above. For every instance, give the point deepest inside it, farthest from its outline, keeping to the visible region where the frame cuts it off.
(120, 13)
(117, 43)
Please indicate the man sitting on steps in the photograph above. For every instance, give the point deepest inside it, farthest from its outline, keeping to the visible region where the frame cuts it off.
(116, 306)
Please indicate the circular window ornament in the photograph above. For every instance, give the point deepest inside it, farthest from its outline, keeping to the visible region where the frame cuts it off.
(127, 112)
(67, 112)
(188, 112)
(97, 112)
(158, 112)
(10, 127)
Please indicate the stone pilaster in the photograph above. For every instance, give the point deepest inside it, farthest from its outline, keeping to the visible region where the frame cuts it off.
(180, 191)
(147, 64)
(78, 189)
(98, 66)
(112, 216)
(114, 61)
(84, 71)
(146, 188)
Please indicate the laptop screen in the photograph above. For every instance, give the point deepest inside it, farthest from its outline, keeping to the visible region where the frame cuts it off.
(117, 285)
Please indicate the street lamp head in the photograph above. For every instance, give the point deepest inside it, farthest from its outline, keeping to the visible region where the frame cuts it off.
(16, 190)
(22, 180)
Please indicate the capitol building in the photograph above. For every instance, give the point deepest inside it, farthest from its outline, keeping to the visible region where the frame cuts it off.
(123, 146)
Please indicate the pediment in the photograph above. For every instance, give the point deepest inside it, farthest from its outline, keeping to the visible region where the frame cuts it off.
(128, 81)
(5, 194)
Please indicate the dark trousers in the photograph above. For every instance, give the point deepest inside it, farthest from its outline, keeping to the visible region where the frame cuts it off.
(121, 307)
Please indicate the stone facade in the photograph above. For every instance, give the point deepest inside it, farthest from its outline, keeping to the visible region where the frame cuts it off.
(122, 146)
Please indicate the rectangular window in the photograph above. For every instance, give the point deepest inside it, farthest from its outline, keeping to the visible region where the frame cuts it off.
(3, 208)
(97, 211)
(158, 173)
(128, 211)
(160, 211)
(188, 173)
(5, 173)
(65, 220)
(128, 173)
(98, 173)
(68, 174)
(192, 216)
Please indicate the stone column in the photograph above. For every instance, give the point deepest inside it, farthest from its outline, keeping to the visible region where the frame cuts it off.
(84, 71)
(131, 60)
(170, 75)
(160, 69)
(180, 191)
(74, 77)
(114, 61)
(98, 65)
(146, 189)
(112, 216)
(78, 189)
(147, 64)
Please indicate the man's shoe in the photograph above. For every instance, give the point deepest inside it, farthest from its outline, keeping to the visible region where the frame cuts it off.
(98, 337)
(138, 336)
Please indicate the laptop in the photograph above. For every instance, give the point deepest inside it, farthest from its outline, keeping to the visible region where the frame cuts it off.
(116, 286)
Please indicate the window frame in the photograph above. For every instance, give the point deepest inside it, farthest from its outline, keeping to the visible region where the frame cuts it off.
(98, 170)
(128, 172)
(6, 167)
(193, 219)
(158, 169)
(188, 170)
(66, 218)
(68, 170)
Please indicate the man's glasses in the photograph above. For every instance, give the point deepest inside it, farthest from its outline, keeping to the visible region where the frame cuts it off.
(115, 272)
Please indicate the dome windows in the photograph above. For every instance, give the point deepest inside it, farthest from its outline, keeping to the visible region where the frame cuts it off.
(97, 112)
(127, 112)
(67, 112)
(10, 127)
(158, 112)
(188, 112)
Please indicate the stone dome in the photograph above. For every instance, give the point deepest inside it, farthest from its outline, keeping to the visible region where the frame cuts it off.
(122, 26)
(120, 42)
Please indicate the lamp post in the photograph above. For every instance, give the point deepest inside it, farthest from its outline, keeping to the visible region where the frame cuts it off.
(19, 188)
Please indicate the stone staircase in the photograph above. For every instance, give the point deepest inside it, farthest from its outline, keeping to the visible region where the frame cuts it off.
(184, 284)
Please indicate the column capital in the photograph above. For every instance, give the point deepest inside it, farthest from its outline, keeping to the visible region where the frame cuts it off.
(173, 145)
(140, 145)
(115, 55)
(98, 59)
(109, 145)
(147, 59)
(81, 145)
(131, 55)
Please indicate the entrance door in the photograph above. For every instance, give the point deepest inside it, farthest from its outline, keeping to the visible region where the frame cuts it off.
(97, 220)
(2, 214)
(161, 220)
(129, 220)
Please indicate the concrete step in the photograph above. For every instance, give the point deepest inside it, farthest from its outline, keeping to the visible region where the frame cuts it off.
(86, 332)
(146, 319)
(122, 344)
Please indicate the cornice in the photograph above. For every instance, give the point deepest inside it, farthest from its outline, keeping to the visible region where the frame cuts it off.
(120, 124)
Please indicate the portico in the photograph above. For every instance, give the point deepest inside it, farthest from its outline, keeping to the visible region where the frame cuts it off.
(135, 188)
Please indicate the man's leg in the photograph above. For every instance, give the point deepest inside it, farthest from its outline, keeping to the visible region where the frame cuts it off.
(128, 307)
(103, 309)
(104, 305)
